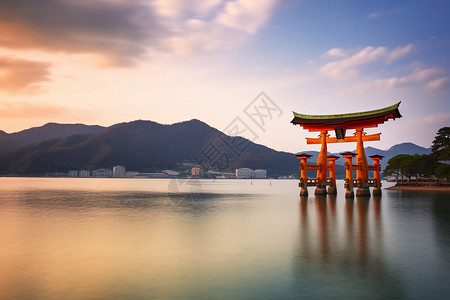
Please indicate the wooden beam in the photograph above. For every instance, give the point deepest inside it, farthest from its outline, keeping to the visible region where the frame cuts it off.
(313, 167)
(366, 138)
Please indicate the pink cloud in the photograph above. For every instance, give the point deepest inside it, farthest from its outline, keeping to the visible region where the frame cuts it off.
(439, 84)
(348, 67)
(22, 76)
(246, 15)
(418, 76)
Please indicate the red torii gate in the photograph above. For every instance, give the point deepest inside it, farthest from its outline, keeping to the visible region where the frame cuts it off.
(339, 124)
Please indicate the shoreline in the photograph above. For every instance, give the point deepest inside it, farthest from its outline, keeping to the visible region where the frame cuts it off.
(421, 187)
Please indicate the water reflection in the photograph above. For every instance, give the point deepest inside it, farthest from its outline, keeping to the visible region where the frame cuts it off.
(346, 243)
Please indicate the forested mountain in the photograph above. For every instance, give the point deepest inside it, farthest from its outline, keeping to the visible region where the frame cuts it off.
(34, 135)
(145, 146)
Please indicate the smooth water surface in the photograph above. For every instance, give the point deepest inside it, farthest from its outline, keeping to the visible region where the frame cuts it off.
(89, 238)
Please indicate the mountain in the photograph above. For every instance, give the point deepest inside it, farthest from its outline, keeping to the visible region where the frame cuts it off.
(33, 135)
(146, 146)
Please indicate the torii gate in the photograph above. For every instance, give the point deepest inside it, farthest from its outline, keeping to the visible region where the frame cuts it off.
(339, 124)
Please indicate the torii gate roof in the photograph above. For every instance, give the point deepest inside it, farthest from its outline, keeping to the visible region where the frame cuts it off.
(347, 121)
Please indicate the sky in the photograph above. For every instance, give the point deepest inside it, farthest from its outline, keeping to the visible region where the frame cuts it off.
(241, 66)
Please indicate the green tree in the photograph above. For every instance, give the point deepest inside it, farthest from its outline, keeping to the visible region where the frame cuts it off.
(399, 166)
(443, 171)
(441, 144)
(427, 165)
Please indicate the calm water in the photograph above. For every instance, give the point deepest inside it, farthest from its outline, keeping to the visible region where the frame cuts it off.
(222, 239)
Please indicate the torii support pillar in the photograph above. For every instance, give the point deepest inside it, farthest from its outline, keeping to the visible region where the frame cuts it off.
(376, 174)
(321, 188)
(332, 168)
(349, 174)
(362, 173)
(304, 173)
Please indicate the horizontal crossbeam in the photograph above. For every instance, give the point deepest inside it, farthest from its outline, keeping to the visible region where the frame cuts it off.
(365, 138)
(313, 167)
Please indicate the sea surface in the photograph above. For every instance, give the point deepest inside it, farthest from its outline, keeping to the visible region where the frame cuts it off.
(88, 238)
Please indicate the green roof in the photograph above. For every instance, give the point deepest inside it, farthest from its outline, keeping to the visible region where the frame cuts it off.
(348, 115)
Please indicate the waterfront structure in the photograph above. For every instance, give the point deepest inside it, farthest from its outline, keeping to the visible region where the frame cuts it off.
(84, 173)
(196, 171)
(119, 171)
(259, 173)
(244, 173)
(340, 124)
(250, 173)
(130, 174)
(102, 173)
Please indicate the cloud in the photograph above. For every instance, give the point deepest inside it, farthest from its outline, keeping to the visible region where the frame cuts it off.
(348, 67)
(26, 110)
(335, 52)
(213, 25)
(398, 53)
(246, 15)
(178, 9)
(438, 118)
(22, 76)
(439, 84)
(417, 77)
(118, 30)
(121, 33)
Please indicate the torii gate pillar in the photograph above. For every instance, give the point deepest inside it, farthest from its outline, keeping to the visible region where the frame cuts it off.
(362, 173)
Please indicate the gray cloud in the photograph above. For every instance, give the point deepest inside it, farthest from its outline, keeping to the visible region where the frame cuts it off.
(120, 31)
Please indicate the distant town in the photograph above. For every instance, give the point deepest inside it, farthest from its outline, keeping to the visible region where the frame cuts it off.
(195, 171)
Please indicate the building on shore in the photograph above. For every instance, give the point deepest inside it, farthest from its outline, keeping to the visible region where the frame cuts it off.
(130, 174)
(195, 171)
(102, 173)
(244, 173)
(259, 173)
(119, 171)
(84, 173)
(249, 173)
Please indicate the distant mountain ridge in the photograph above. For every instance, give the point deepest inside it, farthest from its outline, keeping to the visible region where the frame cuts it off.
(48, 131)
(146, 146)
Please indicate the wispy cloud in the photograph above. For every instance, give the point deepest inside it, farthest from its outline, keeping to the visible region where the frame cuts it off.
(246, 15)
(335, 52)
(27, 110)
(20, 76)
(438, 85)
(417, 76)
(348, 67)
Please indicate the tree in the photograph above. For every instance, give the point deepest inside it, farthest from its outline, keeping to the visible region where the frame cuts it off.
(399, 166)
(441, 144)
(443, 171)
(427, 165)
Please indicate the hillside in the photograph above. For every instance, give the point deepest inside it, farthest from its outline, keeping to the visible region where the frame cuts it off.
(34, 135)
(143, 146)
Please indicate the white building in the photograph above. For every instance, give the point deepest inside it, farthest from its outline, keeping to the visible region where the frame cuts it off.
(244, 173)
(104, 173)
(249, 173)
(130, 174)
(84, 173)
(119, 171)
(73, 173)
(260, 173)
